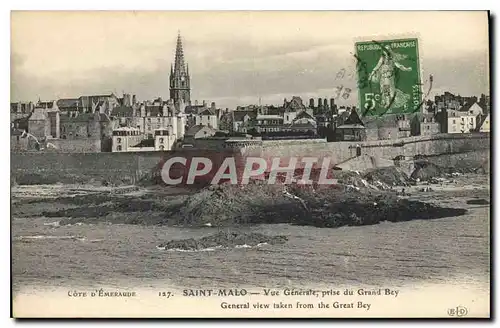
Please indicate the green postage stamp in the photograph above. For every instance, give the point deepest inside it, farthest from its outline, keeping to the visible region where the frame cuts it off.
(388, 76)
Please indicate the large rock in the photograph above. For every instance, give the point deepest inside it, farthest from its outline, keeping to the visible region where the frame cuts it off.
(425, 171)
(224, 239)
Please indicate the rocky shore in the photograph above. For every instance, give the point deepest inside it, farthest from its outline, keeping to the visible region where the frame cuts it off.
(357, 199)
(223, 240)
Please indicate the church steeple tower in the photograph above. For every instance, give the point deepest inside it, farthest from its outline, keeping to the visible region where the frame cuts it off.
(180, 88)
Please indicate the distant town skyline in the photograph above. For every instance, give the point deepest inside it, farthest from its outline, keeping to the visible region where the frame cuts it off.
(235, 58)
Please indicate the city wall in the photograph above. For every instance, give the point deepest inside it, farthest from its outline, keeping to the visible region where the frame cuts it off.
(58, 145)
(383, 149)
(123, 168)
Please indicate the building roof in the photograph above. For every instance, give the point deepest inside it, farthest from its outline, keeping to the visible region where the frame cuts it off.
(238, 115)
(269, 117)
(466, 106)
(303, 114)
(351, 126)
(294, 104)
(122, 111)
(353, 118)
(67, 103)
(207, 112)
(87, 101)
(82, 117)
(98, 96)
(482, 118)
(193, 109)
(197, 128)
(307, 125)
(45, 104)
(154, 110)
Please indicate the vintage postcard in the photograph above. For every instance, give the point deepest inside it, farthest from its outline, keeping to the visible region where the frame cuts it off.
(328, 164)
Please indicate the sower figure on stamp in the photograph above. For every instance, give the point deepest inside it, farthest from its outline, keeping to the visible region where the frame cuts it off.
(384, 74)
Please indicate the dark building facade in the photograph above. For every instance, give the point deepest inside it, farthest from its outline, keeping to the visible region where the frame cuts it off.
(180, 88)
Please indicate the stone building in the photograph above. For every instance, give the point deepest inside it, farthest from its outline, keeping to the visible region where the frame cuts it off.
(472, 108)
(241, 120)
(208, 117)
(21, 110)
(460, 122)
(78, 126)
(483, 125)
(89, 104)
(268, 123)
(425, 125)
(125, 138)
(164, 139)
(387, 127)
(351, 129)
(44, 122)
(450, 101)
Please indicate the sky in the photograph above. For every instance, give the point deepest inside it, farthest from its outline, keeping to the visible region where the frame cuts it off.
(235, 58)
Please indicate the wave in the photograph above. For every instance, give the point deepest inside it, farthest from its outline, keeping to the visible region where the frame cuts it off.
(74, 224)
(209, 249)
(243, 246)
(53, 224)
(44, 237)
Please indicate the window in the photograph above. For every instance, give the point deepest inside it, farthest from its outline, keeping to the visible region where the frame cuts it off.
(453, 121)
(161, 140)
(119, 140)
(162, 147)
(119, 148)
(427, 127)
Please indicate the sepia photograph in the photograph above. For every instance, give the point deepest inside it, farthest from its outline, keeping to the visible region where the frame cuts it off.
(250, 164)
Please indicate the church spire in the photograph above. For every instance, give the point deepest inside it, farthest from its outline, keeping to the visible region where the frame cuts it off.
(179, 76)
(179, 55)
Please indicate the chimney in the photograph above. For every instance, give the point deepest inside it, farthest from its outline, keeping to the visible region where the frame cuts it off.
(325, 103)
(212, 105)
(134, 99)
(320, 103)
(311, 102)
(204, 103)
(196, 102)
(332, 103)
